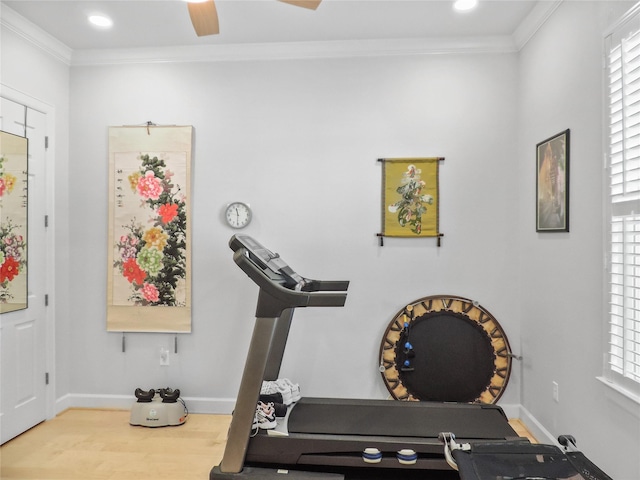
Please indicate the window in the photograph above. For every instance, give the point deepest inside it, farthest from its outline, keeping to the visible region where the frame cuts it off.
(622, 365)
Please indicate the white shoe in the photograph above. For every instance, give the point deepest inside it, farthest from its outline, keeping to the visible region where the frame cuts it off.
(293, 387)
(271, 387)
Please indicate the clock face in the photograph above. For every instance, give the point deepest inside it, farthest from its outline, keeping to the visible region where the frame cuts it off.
(445, 348)
(238, 215)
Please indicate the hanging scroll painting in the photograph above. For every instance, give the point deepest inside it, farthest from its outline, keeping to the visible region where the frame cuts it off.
(149, 261)
(410, 197)
(13, 222)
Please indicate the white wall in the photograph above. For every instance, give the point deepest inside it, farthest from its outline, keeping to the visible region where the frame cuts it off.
(299, 140)
(561, 275)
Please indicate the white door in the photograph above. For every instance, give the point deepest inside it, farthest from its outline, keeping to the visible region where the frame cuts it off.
(23, 333)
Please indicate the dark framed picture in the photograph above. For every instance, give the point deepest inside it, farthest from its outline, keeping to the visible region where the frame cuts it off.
(552, 184)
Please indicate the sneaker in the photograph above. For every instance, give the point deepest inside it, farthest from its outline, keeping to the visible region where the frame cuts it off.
(280, 409)
(271, 408)
(271, 387)
(265, 417)
(267, 408)
(293, 387)
(271, 398)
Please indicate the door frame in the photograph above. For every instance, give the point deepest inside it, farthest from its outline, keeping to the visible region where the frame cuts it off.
(50, 338)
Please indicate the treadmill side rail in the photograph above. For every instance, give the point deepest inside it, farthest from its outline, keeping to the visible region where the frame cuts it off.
(273, 474)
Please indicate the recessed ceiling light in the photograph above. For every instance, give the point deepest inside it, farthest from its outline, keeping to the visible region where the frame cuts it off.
(101, 21)
(464, 5)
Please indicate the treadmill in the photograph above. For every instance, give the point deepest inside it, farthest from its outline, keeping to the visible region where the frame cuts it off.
(327, 437)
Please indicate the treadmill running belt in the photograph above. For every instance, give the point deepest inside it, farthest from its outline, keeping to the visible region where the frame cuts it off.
(401, 419)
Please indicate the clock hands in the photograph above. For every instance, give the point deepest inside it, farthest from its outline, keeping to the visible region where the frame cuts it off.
(238, 215)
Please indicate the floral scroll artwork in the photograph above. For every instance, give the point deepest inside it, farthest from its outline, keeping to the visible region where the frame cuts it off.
(151, 254)
(13, 222)
(412, 203)
(149, 281)
(410, 197)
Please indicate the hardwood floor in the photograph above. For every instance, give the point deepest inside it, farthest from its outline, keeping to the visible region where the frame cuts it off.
(82, 444)
(88, 444)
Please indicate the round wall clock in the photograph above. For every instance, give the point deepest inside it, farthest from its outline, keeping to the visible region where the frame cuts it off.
(445, 349)
(238, 215)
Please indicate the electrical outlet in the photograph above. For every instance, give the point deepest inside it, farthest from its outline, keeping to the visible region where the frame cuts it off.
(556, 392)
(164, 356)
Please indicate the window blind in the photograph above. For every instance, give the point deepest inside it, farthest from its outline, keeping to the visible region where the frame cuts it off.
(623, 205)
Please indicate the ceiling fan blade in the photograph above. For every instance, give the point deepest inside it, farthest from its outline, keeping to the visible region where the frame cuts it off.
(310, 4)
(204, 17)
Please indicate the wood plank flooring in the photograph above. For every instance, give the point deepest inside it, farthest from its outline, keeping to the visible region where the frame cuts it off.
(81, 444)
(91, 444)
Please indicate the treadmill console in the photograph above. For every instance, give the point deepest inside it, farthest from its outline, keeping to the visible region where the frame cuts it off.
(280, 286)
(267, 260)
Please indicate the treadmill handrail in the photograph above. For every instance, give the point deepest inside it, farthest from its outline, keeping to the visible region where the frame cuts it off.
(283, 297)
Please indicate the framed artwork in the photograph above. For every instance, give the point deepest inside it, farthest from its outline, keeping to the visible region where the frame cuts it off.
(149, 240)
(13, 221)
(552, 183)
(410, 197)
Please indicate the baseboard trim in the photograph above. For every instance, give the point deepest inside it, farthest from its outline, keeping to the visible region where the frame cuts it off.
(511, 410)
(222, 406)
(541, 434)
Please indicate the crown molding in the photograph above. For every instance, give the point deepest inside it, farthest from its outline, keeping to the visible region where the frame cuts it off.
(22, 27)
(281, 51)
(297, 50)
(532, 23)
